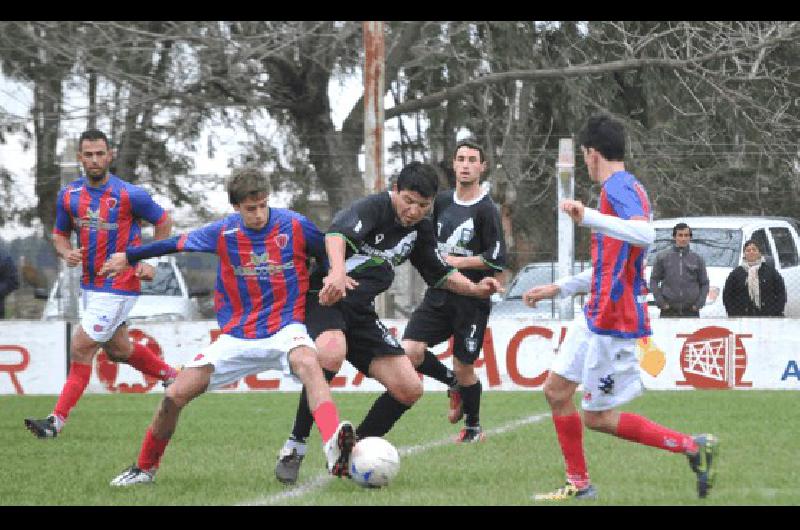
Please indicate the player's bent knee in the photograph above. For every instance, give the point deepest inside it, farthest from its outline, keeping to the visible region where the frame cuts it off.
(303, 362)
(408, 393)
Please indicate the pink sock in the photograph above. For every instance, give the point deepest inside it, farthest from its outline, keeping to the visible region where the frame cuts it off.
(149, 363)
(72, 391)
(152, 449)
(327, 419)
(641, 430)
(569, 429)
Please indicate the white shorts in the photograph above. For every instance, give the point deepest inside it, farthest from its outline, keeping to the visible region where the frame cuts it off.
(606, 366)
(102, 313)
(234, 358)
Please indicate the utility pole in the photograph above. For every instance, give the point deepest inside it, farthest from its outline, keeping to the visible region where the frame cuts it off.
(374, 90)
(374, 82)
(565, 183)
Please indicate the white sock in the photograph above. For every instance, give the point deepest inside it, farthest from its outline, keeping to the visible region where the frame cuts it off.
(58, 422)
(293, 444)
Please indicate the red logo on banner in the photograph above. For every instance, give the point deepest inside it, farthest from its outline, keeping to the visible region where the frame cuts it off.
(713, 357)
(107, 370)
(16, 367)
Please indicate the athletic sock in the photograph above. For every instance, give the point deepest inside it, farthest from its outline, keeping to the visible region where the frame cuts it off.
(639, 429)
(569, 430)
(327, 419)
(381, 417)
(433, 367)
(147, 362)
(303, 419)
(471, 399)
(151, 452)
(73, 389)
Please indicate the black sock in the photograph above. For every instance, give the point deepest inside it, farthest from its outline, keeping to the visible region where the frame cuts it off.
(381, 417)
(433, 367)
(303, 419)
(471, 397)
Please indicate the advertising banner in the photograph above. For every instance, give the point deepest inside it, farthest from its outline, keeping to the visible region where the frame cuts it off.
(682, 354)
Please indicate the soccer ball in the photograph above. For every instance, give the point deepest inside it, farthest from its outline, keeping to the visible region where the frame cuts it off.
(374, 462)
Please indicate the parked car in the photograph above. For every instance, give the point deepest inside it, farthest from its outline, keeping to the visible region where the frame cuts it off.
(165, 298)
(532, 274)
(720, 241)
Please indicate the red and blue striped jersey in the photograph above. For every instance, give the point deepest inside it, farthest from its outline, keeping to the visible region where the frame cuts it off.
(106, 220)
(263, 275)
(617, 303)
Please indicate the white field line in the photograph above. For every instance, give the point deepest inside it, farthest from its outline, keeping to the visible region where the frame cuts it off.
(320, 480)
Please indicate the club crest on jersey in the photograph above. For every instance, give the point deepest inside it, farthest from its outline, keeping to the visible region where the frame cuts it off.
(281, 240)
(466, 235)
(378, 238)
(111, 202)
(472, 345)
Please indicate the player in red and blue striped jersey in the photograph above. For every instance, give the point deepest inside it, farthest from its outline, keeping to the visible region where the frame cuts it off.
(599, 350)
(105, 213)
(260, 300)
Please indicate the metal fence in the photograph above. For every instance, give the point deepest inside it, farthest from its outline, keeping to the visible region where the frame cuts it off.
(38, 267)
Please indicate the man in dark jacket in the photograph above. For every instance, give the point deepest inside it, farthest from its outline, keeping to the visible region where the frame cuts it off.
(679, 281)
(9, 279)
(755, 288)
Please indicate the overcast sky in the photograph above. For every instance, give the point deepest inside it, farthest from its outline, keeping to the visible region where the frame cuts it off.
(16, 100)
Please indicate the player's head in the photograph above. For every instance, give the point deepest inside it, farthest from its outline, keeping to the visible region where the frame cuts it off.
(469, 161)
(248, 191)
(94, 154)
(602, 140)
(682, 234)
(414, 191)
(752, 251)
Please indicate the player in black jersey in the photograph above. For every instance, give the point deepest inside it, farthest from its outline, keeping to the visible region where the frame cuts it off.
(470, 238)
(364, 243)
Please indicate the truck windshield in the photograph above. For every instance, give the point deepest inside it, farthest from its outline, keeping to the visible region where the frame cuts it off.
(164, 283)
(719, 247)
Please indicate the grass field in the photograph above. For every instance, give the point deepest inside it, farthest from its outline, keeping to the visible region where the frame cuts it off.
(224, 453)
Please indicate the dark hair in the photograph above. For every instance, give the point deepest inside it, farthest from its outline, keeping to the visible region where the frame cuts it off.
(681, 226)
(472, 144)
(605, 135)
(419, 177)
(755, 243)
(246, 182)
(93, 134)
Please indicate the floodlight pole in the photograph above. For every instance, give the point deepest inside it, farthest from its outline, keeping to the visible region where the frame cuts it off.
(565, 183)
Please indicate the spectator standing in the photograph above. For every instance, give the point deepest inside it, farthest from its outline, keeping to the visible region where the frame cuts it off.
(679, 281)
(754, 288)
(9, 279)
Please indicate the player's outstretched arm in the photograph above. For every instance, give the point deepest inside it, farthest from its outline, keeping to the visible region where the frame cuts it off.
(460, 284)
(540, 292)
(146, 271)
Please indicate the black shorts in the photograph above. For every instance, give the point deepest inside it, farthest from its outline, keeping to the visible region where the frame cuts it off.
(365, 334)
(444, 314)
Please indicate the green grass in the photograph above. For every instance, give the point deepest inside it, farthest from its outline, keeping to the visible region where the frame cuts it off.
(224, 450)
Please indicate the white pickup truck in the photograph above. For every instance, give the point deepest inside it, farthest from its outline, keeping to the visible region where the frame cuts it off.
(720, 241)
